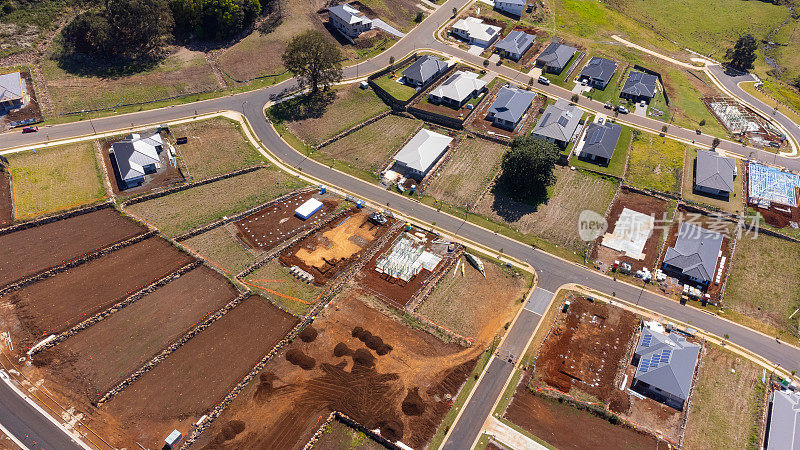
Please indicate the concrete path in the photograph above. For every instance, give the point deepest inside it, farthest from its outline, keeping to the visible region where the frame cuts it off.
(509, 436)
(378, 23)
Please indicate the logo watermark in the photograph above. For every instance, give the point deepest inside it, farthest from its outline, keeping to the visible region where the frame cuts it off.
(591, 225)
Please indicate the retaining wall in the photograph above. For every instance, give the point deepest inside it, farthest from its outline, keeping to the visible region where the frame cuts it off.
(56, 217)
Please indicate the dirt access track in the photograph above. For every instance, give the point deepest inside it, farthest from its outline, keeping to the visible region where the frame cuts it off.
(57, 303)
(96, 359)
(329, 250)
(400, 389)
(585, 348)
(276, 223)
(188, 383)
(27, 252)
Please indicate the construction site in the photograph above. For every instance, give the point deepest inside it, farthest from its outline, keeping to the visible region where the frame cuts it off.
(773, 193)
(743, 122)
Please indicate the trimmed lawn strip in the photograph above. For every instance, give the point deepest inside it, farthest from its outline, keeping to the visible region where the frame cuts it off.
(396, 89)
(655, 165)
(616, 167)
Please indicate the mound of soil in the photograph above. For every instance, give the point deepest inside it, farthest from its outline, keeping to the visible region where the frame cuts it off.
(228, 432)
(298, 358)
(371, 341)
(357, 332)
(342, 349)
(413, 405)
(309, 334)
(363, 357)
(391, 430)
(266, 387)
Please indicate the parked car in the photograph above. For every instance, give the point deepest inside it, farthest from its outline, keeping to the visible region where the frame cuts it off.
(698, 131)
(543, 80)
(608, 105)
(30, 129)
(623, 110)
(643, 104)
(599, 120)
(584, 82)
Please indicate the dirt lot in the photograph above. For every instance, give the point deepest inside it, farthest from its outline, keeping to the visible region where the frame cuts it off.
(395, 391)
(57, 303)
(644, 204)
(277, 223)
(564, 426)
(96, 359)
(472, 305)
(585, 348)
(648, 413)
(183, 387)
(6, 210)
(331, 249)
(27, 252)
(165, 176)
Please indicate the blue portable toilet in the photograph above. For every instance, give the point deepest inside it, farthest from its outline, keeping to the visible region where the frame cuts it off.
(322, 189)
(359, 204)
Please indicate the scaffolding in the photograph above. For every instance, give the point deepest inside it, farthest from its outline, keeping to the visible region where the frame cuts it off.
(737, 119)
(768, 185)
(406, 258)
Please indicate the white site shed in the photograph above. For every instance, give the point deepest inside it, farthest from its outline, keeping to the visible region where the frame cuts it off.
(308, 209)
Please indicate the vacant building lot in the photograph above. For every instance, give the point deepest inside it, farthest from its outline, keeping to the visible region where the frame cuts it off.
(183, 387)
(735, 202)
(221, 247)
(215, 146)
(556, 220)
(472, 166)
(656, 163)
(6, 207)
(55, 178)
(369, 366)
(726, 408)
(274, 280)
(27, 252)
(472, 305)
(96, 359)
(188, 209)
(762, 284)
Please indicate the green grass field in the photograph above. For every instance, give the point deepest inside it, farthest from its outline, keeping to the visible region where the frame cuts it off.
(55, 178)
(616, 167)
(222, 249)
(655, 163)
(735, 203)
(274, 281)
(397, 90)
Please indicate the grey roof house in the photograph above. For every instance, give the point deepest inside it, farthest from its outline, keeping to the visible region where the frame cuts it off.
(783, 432)
(424, 70)
(12, 91)
(509, 106)
(598, 72)
(348, 20)
(665, 366)
(639, 86)
(558, 123)
(135, 157)
(515, 45)
(714, 173)
(555, 57)
(600, 142)
(457, 89)
(694, 254)
(420, 154)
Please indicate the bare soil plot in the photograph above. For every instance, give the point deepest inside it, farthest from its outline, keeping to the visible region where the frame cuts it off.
(585, 348)
(32, 250)
(371, 147)
(6, 208)
(185, 210)
(276, 223)
(96, 359)
(166, 175)
(57, 303)
(331, 249)
(401, 389)
(644, 204)
(215, 146)
(557, 219)
(726, 408)
(183, 387)
(472, 305)
(338, 436)
(221, 248)
(655, 163)
(55, 178)
(472, 166)
(273, 280)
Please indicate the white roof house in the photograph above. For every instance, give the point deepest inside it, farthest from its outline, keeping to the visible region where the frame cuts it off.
(11, 87)
(458, 87)
(423, 150)
(476, 31)
(135, 155)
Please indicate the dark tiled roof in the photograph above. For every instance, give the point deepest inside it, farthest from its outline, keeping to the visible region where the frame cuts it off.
(640, 84)
(601, 139)
(516, 42)
(599, 69)
(510, 104)
(695, 251)
(714, 171)
(556, 55)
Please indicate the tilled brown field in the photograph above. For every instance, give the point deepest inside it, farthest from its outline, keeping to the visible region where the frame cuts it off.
(360, 362)
(96, 359)
(57, 303)
(6, 211)
(30, 251)
(187, 384)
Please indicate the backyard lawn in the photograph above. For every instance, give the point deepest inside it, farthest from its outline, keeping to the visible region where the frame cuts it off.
(735, 203)
(50, 179)
(616, 167)
(396, 89)
(655, 163)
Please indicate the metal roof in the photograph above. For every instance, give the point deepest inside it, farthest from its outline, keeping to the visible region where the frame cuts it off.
(695, 251)
(556, 55)
(477, 29)
(423, 150)
(459, 86)
(667, 362)
(348, 14)
(135, 152)
(511, 103)
(424, 68)
(784, 423)
(599, 69)
(558, 122)
(516, 42)
(11, 86)
(714, 171)
(640, 84)
(601, 140)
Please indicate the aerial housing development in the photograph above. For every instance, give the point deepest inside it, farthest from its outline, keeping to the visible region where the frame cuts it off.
(452, 224)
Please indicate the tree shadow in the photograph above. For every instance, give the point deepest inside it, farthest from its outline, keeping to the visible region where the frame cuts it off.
(301, 107)
(512, 208)
(88, 65)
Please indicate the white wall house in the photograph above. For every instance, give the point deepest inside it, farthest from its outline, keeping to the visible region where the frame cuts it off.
(510, 6)
(474, 31)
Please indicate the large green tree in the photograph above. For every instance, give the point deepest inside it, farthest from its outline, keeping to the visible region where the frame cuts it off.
(314, 59)
(527, 168)
(743, 54)
(214, 19)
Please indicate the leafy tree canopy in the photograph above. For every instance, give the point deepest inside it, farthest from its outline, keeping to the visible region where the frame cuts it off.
(743, 54)
(314, 59)
(214, 19)
(527, 169)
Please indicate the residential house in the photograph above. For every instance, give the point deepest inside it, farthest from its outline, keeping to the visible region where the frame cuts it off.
(514, 7)
(458, 89)
(598, 72)
(555, 57)
(639, 86)
(424, 70)
(695, 254)
(12, 91)
(348, 20)
(475, 31)
(665, 365)
(783, 425)
(714, 173)
(421, 153)
(558, 123)
(135, 157)
(514, 45)
(509, 106)
(600, 142)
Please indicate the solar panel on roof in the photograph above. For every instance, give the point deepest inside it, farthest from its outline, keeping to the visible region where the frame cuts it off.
(646, 340)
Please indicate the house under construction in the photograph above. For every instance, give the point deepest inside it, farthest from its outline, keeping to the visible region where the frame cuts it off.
(741, 121)
(406, 258)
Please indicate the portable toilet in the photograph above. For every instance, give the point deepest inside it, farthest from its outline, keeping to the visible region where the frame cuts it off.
(412, 189)
(173, 438)
(322, 189)
(408, 226)
(359, 204)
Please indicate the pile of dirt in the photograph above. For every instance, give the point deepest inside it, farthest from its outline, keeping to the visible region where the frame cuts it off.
(391, 430)
(228, 432)
(620, 402)
(266, 387)
(342, 349)
(363, 357)
(309, 334)
(298, 358)
(413, 405)
(371, 341)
